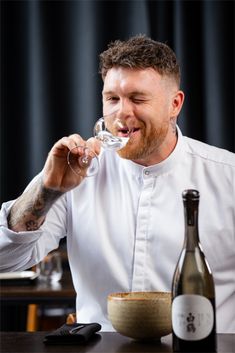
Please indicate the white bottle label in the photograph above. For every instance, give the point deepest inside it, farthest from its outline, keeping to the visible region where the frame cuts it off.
(192, 317)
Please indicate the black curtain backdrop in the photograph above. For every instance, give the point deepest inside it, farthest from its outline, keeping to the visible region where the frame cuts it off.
(50, 86)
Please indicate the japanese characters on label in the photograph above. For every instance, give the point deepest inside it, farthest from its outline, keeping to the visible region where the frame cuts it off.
(192, 317)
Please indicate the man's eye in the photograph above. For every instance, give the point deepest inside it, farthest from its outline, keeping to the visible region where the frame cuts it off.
(138, 100)
(112, 99)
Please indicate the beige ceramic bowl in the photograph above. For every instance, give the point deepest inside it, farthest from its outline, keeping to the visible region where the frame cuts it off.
(140, 315)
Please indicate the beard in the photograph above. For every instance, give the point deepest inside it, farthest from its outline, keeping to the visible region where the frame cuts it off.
(147, 144)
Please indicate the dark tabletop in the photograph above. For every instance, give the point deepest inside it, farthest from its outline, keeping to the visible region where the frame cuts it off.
(104, 342)
(40, 292)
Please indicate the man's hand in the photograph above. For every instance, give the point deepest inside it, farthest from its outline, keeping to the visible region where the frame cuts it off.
(57, 175)
(30, 209)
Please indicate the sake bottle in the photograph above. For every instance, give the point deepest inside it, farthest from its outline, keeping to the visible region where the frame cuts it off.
(193, 292)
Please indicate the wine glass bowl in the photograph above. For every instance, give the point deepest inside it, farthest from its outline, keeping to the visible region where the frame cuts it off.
(107, 133)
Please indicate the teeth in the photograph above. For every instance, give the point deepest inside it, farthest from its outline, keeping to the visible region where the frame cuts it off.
(128, 131)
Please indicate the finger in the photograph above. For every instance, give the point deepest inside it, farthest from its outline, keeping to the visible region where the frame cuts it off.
(68, 143)
(77, 139)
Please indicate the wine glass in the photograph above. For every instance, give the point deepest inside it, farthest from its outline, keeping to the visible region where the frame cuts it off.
(50, 268)
(113, 134)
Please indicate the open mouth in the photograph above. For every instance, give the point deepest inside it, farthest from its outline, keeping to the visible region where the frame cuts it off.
(127, 132)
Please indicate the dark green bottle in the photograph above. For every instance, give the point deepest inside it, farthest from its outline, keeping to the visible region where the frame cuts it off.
(193, 291)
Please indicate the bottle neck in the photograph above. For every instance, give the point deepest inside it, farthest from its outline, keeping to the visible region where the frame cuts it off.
(191, 224)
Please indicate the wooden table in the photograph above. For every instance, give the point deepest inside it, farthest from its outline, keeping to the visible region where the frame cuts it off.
(14, 300)
(105, 342)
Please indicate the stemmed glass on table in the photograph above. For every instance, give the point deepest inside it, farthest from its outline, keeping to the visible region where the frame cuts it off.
(112, 133)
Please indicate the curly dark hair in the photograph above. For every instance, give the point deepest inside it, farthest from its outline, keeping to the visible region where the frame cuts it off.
(140, 52)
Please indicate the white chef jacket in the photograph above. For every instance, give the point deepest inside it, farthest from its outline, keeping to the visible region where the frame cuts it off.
(125, 228)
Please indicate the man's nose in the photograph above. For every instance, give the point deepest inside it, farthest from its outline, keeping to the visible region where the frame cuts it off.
(124, 109)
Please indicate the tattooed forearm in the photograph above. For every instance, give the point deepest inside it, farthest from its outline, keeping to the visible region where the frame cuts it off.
(30, 209)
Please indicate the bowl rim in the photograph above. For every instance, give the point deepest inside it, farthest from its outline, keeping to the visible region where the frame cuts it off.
(122, 296)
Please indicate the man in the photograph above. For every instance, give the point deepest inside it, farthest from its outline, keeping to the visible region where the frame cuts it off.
(125, 225)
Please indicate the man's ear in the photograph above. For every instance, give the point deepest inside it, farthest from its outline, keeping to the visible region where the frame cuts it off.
(177, 103)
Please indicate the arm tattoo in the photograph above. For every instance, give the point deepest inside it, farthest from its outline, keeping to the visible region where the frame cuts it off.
(30, 209)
